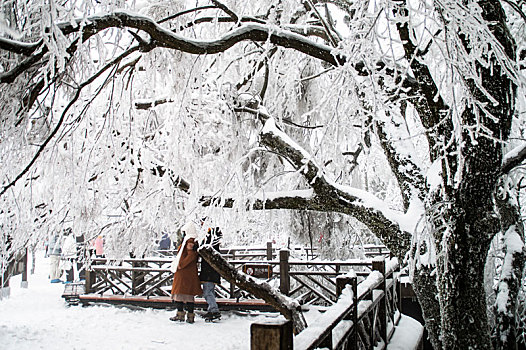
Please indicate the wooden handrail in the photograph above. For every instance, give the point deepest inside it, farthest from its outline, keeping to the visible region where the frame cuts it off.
(353, 305)
(137, 270)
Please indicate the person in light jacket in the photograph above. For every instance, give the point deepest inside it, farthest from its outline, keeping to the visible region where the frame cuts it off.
(99, 246)
(69, 253)
(54, 252)
(186, 283)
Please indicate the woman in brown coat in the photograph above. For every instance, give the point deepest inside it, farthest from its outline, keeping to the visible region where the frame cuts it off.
(186, 282)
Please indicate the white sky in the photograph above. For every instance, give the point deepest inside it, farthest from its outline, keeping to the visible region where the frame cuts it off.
(38, 318)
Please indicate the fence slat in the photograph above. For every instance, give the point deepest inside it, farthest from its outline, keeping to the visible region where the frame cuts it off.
(284, 278)
(379, 265)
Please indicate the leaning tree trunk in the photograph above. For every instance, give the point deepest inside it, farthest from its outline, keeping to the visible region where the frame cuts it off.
(286, 306)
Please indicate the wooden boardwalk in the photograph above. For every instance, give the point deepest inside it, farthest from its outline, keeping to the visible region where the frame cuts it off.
(163, 302)
(365, 318)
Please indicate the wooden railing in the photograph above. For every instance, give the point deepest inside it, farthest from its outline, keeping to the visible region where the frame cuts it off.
(131, 276)
(17, 264)
(363, 317)
(307, 281)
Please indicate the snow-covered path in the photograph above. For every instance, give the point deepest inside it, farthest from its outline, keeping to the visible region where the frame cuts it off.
(38, 318)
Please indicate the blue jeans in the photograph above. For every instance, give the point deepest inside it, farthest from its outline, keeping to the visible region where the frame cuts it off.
(209, 295)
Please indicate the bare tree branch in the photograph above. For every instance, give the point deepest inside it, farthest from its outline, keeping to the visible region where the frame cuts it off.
(294, 200)
(150, 104)
(429, 103)
(331, 38)
(169, 18)
(161, 37)
(19, 47)
(11, 75)
(228, 11)
(222, 19)
(63, 116)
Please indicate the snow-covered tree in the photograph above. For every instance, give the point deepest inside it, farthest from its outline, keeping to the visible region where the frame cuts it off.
(130, 116)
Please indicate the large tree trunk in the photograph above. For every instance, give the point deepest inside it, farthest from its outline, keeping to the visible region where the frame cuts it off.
(461, 292)
(470, 225)
(425, 287)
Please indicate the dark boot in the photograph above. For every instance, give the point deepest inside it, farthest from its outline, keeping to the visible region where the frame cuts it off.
(212, 315)
(179, 317)
(190, 317)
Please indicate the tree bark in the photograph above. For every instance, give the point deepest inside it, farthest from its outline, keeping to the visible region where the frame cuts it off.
(462, 296)
(510, 279)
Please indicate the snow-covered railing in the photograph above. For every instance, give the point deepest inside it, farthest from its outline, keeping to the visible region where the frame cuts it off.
(365, 313)
(269, 251)
(307, 281)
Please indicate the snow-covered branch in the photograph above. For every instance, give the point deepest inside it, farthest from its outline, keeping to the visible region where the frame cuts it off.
(163, 37)
(57, 127)
(288, 307)
(429, 103)
(408, 174)
(508, 288)
(390, 225)
(147, 104)
(513, 158)
(299, 200)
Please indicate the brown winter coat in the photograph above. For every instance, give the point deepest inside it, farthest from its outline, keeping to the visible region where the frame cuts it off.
(186, 280)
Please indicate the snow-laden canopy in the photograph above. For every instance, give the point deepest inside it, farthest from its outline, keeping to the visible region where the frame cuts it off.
(129, 118)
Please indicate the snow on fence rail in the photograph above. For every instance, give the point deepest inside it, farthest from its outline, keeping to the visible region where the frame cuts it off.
(365, 314)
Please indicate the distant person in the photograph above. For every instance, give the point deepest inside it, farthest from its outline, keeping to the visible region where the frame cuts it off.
(99, 246)
(54, 252)
(165, 243)
(208, 276)
(69, 254)
(186, 283)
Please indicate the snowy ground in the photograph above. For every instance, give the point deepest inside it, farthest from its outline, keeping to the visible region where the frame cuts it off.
(38, 318)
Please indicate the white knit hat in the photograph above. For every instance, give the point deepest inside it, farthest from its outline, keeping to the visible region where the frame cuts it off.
(189, 230)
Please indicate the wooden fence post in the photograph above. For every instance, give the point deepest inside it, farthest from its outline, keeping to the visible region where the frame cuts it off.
(398, 289)
(379, 265)
(90, 279)
(269, 250)
(284, 277)
(275, 335)
(4, 283)
(354, 333)
(232, 285)
(341, 282)
(24, 283)
(90, 276)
